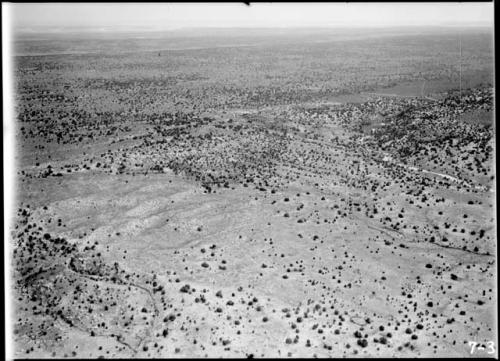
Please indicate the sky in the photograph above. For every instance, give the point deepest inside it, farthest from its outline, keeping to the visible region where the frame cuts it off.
(164, 16)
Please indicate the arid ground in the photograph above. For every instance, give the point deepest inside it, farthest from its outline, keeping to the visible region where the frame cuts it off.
(255, 195)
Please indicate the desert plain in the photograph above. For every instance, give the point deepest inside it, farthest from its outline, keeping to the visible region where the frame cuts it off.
(310, 193)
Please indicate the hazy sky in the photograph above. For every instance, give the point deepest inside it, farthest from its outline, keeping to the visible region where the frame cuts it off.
(172, 15)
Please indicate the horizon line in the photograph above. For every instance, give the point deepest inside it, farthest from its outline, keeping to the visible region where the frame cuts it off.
(131, 28)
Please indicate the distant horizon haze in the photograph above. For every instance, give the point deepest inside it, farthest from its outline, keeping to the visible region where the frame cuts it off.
(151, 17)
